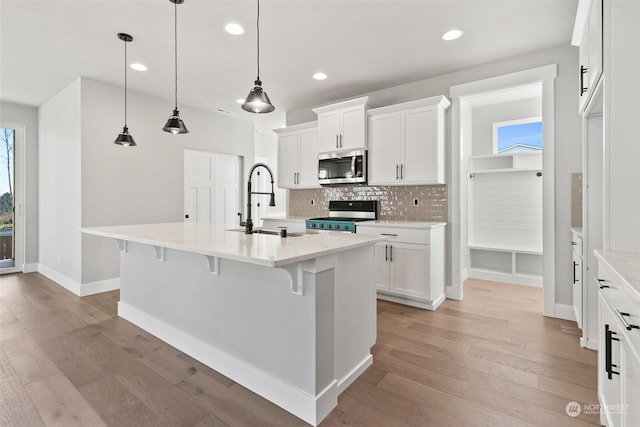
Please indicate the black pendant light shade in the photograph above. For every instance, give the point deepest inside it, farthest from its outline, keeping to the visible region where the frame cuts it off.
(175, 125)
(125, 138)
(258, 101)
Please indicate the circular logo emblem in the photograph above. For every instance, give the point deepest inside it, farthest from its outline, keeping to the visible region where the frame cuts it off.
(573, 409)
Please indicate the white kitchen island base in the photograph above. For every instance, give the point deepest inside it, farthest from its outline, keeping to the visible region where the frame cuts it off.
(296, 334)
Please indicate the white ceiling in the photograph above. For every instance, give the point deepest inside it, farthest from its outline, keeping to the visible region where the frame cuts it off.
(363, 45)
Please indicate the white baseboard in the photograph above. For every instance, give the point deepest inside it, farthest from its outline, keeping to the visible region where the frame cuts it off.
(515, 279)
(355, 373)
(30, 267)
(80, 289)
(308, 407)
(92, 288)
(62, 280)
(565, 311)
(587, 343)
(427, 305)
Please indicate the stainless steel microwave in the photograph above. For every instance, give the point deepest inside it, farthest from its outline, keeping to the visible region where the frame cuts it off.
(342, 167)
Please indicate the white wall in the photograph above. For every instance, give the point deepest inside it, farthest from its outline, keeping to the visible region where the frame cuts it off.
(27, 116)
(59, 183)
(484, 117)
(567, 128)
(267, 151)
(143, 184)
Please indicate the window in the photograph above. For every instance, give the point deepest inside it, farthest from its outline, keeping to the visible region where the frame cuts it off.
(518, 136)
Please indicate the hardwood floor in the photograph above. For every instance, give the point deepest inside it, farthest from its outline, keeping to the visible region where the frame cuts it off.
(491, 359)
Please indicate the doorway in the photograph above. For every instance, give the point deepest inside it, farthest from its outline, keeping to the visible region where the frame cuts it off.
(212, 187)
(461, 164)
(11, 207)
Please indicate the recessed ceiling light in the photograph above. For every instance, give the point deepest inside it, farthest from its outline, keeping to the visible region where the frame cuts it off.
(452, 35)
(240, 101)
(138, 66)
(319, 76)
(233, 28)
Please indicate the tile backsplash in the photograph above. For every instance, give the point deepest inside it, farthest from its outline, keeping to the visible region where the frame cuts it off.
(394, 203)
(576, 199)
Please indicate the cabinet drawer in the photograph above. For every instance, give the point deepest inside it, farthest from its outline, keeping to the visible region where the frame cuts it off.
(417, 236)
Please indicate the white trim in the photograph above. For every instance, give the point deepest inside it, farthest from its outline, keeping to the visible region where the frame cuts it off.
(62, 280)
(532, 75)
(515, 279)
(497, 125)
(92, 288)
(426, 305)
(587, 343)
(580, 24)
(545, 74)
(565, 311)
(354, 374)
(81, 290)
(311, 409)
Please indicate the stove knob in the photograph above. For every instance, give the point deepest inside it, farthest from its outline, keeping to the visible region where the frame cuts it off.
(345, 227)
(321, 225)
(313, 225)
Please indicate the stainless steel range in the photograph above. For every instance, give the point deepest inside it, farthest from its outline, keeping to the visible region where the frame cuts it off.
(343, 215)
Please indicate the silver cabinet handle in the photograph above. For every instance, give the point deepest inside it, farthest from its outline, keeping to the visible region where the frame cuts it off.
(386, 252)
(340, 140)
(622, 316)
(401, 166)
(297, 177)
(337, 146)
(390, 253)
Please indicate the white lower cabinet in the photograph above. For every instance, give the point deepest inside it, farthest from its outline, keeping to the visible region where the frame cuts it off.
(619, 341)
(409, 265)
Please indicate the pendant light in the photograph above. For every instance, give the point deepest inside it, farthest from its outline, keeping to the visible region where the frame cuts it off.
(258, 101)
(124, 138)
(175, 124)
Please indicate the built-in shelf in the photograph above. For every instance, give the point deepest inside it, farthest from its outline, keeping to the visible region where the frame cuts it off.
(519, 265)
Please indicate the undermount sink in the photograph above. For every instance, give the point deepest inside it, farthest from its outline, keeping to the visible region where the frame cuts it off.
(270, 232)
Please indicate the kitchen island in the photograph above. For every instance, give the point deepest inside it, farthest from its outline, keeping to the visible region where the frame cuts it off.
(292, 319)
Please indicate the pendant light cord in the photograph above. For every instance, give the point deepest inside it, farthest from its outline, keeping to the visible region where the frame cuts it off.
(175, 50)
(258, 28)
(125, 83)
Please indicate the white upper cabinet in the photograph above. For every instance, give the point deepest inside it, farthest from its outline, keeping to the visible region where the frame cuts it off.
(298, 156)
(587, 35)
(406, 143)
(342, 126)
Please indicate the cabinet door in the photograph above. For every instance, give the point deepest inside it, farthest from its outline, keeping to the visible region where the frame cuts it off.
(384, 148)
(422, 147)
(287, 159)
(328, 131)
(382, 266)
(308, 158)
(608, 388)
(410, 270)
(595, 43)
(353, 128)
(630, 382)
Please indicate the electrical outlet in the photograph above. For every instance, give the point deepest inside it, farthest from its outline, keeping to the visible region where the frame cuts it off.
(416, 201)
(312, 202)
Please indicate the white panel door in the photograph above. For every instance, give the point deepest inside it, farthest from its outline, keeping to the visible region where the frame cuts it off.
(288, 160)
(308, 158)
(211, 187)
(353, 128)
(410, 270)
(198, 186)
(420, 146)
(384, 148)
(227, 189)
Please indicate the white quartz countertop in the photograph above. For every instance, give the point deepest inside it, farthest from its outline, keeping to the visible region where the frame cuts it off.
(625, 264)
(216, 240)
(403, 224)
